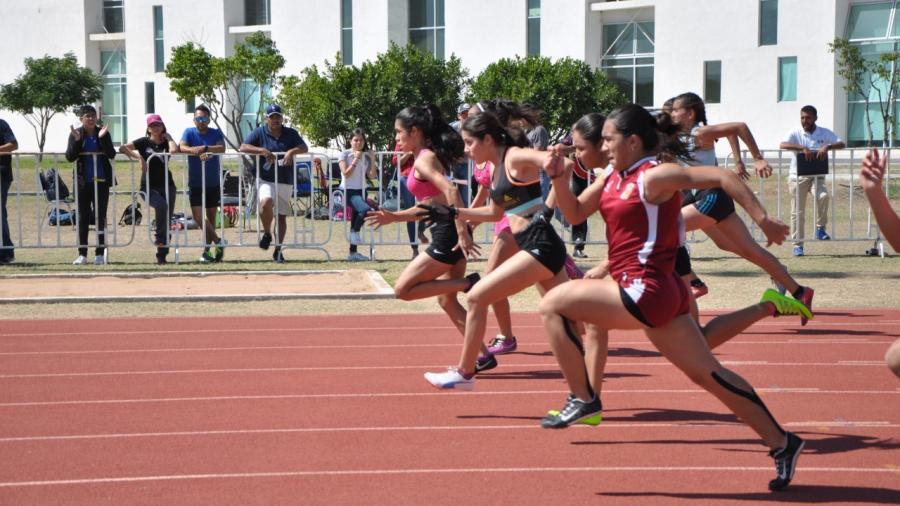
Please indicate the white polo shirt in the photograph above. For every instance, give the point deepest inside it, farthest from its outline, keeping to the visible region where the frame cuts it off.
(813, 141)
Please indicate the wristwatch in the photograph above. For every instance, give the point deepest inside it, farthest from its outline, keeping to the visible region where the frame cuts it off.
(206, 148)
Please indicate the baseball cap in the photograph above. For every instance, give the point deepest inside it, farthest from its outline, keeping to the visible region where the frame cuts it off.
(273, 109)
(463, 107)
(154, 118)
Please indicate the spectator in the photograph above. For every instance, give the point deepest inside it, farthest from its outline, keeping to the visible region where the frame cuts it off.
(814, 142)
(278, 144)
(157, 183)
(539, 138)
(871, 175)
(91, 149)
(8, 143)
(204, 179)
(460, 171)
(357, 164)
(404, 161)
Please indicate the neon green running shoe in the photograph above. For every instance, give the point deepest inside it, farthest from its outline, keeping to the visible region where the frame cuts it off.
(785, 305)
(591, 420)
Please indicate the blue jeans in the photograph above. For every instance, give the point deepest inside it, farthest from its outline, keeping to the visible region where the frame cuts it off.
(7, 241)
(357, 201)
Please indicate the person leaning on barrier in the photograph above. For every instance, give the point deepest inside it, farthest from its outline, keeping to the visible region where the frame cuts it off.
(91, 149)
(8, 143)
(871, 177)
(277, 174)
(813, 142)
(199, 142)
(161, 192)
(357, 164)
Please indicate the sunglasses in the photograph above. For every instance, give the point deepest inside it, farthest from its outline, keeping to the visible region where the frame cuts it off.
(201, 119)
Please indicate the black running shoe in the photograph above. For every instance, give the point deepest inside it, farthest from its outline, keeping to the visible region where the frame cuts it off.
(265, 240)
(485, 363)
(472, 279)
(786, 461)
(278, 256)
(574, 411)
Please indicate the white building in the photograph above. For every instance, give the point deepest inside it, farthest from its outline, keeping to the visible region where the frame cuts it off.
(757, 61)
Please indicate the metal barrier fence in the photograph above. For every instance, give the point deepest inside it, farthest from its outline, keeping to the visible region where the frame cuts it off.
(42, 219)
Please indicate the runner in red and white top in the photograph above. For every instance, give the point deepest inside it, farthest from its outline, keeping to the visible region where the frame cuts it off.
(641, 203)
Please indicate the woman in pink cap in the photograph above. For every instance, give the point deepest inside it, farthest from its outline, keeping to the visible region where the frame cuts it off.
(156, 180)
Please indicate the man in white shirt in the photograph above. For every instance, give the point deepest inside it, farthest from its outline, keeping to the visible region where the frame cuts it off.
(814, 142)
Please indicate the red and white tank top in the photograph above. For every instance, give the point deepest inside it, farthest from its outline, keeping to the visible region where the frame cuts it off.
(643, 237)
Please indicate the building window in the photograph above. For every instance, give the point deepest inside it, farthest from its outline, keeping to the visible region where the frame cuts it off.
(149, 97)
(114, 16)
(347, 31)
(190, 105)
(253, 97)
(159, 50)
(768, 22)
(628, 55)
(257, 12)
(115, 94)
(712, 82)
(426, 26)
(787, 79)
(534, 27)
(875, 29)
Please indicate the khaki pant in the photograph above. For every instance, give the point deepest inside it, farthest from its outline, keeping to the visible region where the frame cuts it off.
(799, 188)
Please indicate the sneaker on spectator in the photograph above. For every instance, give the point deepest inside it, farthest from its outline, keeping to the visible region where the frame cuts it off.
(220, 249)
(81, 260)
(355, 238)
(574, 411)
(450, 379)
(206, 257)
(8, 259)
(485, 363)
(501, 345)
(265, 240)
(786, 461)
(357, 257)
(278, 256)
(798, 251)
(822, 235)
(579, 253)
(806, 298)
(99, 260)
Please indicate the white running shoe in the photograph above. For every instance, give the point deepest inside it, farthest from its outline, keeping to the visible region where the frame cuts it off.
(357, 257)
(81, 260)
(450, 379)
(99, 260)
(355, 238)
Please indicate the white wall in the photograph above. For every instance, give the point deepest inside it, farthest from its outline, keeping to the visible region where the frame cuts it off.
(480, 33)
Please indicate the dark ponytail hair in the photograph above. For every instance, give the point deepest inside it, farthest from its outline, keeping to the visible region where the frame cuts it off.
(590, 126)
(693, 101)
(362, 133)
(659, 136)
(507, 111)
(487, 123)
(439, 136)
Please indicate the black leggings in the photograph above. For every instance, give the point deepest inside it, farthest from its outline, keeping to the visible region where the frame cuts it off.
(88, 203)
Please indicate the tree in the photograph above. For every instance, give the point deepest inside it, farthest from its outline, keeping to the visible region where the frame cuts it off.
(230, 85)
(870, 78)
(565, 89)
(50, 86)
(329, 104)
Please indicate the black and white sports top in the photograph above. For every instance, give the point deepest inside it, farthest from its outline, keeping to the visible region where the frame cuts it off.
(515, 197)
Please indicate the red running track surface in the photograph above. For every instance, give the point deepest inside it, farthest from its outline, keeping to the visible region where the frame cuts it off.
(334, 410)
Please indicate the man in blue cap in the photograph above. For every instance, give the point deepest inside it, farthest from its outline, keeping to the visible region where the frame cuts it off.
(277, 145)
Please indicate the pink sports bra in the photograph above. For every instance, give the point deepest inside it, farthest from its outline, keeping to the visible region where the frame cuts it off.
(483, 175)
(421, 190)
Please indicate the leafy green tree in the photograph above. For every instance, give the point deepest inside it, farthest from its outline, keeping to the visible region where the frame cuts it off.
(329, 103)
(227, 85)
(870, 78)
(565, 89)
(49, 86)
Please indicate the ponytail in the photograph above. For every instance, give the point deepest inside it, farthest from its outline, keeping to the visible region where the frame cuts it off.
(659, 137)
(693, 101)
(439, 136)
(483, 124)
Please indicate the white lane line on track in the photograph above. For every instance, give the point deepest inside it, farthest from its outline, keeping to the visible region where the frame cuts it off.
(424, 394)
(471, 470)
(305, 430)
(219, 331)
(613, 345)
(610, 364)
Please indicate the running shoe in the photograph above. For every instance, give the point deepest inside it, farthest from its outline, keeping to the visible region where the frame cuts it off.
(219, 250)
(574, 411)
(450, 379)
(485, 363)
(699, 288)
(806, 298)
(502, 345)
(265, 240)
(579, 253)
(357, 257)
(206, 257)
(278, 256)
(592, 421)
(785, 305)
(798, 251)
(822, 235)
(99, 260)
(81, 260)
(786, 461)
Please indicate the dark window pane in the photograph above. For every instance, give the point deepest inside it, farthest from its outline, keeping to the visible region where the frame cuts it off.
(439, 43)
(256, 12)
(190, 105)
(869, 21)
(644, 37)
(422, 39)
(643, 94)
(347, 47)
(787, 79)
(417, 15)
(534, 8)
(768, 22)
(149, 98)
(439, 13)
(113, 16)
(346, 13)
(618, 39)
(534, 36)
(623, 78)
(712, 82)
(159, 56)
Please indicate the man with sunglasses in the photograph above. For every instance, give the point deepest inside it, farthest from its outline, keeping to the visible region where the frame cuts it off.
(204, 178)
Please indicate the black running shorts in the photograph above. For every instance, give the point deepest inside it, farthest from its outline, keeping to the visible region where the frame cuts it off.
(444, 240)
(541, 241)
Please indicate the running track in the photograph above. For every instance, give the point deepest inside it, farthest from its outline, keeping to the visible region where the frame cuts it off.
(334, 410)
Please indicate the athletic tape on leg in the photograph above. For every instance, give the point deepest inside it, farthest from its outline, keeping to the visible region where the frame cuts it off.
(751, 396)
